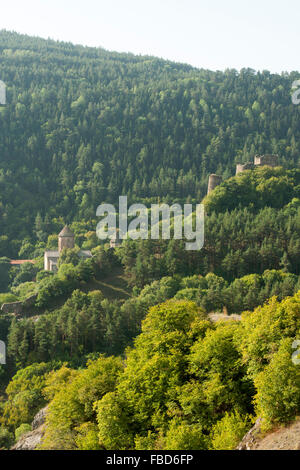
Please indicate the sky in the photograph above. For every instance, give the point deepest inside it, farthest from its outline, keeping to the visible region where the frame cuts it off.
(211, 34)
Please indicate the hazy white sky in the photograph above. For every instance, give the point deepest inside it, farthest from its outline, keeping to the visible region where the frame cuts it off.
(214, 34)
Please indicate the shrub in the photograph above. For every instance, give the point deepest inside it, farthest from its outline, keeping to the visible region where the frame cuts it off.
(227, 433)
(23, 429)
(87, 437)
(24, 394)
(184, 436)
(6, 298)
(6, 438)
(278, 387)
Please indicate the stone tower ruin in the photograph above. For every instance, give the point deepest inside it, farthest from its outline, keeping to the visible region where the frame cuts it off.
(66, 239)
(213, 182)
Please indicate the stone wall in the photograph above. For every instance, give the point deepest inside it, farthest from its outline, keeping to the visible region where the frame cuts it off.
(19, 308)
(244, 166)
(268, 160)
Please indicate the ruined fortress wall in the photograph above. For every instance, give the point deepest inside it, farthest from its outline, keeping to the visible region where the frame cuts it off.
(19, 307)
(244, 166)
(268, 160)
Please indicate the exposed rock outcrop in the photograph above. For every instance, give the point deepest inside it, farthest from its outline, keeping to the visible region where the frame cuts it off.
(250, 439)
(31, 439)
(39, 418)
(281, 438)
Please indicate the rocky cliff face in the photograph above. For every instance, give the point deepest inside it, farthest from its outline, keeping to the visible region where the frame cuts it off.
(250, 439)
(283, 438)
(32, 439)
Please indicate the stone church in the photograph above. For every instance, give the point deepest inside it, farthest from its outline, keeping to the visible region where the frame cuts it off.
(66, 239)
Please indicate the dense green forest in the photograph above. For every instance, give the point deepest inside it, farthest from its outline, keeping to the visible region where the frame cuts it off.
(122, 345)
(199, 385)
(83, 126)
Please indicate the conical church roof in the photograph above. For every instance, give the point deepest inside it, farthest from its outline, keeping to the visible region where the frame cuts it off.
(66, 232)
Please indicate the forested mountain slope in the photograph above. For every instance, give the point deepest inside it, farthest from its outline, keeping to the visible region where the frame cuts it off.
(83, 125)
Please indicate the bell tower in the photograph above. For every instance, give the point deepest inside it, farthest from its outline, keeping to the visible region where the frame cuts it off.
(66, 239)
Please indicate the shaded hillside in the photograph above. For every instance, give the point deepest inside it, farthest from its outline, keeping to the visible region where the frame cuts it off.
(83, 125)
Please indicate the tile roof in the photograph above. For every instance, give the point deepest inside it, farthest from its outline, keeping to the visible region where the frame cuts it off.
(21, 261)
